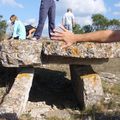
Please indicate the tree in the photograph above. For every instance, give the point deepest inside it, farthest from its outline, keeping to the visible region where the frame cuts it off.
(100, 22)
(114, 24)
(88, 28)
(77, 29)
(3, 26)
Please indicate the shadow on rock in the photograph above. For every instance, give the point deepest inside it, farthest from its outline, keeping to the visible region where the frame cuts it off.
(103, 116)
(7, 76)
(53, 88)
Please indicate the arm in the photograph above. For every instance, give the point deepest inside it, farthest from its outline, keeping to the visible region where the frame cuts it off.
(32, 31)
(73, 20)
(63, 21)
(15, 29)
(99, 36)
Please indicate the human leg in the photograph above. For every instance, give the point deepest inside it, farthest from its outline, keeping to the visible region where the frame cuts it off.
(51, 17)
(70, 27)
(42, 17)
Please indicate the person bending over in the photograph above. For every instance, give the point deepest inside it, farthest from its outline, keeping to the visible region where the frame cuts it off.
(29, 31)
(19, 31)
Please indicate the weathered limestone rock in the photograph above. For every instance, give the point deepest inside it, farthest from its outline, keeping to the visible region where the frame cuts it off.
(32, 53)
(2, 93)
(14, 103)
(20, 53)
(84, 50)
(87, 85)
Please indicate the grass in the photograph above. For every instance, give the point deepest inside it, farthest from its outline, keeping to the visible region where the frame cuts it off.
(74, 117)
(53, 118)
(114, 91)
(111, 88)
(2, 93)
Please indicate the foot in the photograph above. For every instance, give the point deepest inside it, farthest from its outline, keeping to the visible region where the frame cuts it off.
(34, 38)
(29, 37)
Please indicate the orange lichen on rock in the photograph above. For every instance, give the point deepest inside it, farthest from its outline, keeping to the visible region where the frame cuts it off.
(75, 51)
(93, 78)
(23, 75)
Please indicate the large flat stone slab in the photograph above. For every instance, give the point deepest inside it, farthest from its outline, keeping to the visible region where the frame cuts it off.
(17, 53)
(83, 50)
(15, 101)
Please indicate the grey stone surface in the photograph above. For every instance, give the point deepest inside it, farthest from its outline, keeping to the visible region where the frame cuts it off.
(58, 114)
(32, 53)
(84, 50)
(15, 101)
(20, 53)
(2, 93)
(87, 85)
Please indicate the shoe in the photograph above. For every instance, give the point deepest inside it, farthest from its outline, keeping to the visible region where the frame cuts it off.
(28, 37)
(34, 38)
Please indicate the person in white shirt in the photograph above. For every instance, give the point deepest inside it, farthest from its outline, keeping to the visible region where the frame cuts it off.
(68, 20)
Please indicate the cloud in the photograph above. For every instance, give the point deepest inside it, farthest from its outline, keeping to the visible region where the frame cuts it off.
(117, 4)
(31, 21)
(116, 13)
(86, 20)
(11, 3)
(83, 9)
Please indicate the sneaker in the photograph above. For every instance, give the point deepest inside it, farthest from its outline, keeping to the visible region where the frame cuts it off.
(34, 38)
(28, 37)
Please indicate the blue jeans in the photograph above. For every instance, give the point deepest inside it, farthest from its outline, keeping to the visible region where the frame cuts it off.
(47, 8)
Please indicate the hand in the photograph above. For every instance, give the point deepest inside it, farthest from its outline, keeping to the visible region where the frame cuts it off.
(64, 35)
(9, 37)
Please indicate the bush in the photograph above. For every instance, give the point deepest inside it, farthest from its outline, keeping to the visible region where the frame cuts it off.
(3, 26)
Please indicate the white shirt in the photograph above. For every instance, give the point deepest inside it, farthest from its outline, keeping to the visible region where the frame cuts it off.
(68, 18)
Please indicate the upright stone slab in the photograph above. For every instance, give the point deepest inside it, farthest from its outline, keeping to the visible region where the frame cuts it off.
(14, 103)
(87, 85)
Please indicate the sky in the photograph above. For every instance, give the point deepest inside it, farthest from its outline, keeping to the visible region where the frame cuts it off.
(28, 10)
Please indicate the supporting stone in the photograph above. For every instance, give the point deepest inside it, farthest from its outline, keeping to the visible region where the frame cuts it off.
(15, 101)
(87, 85)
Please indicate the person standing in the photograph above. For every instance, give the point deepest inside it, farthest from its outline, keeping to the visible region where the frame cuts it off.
(68, 20)
(47, 8)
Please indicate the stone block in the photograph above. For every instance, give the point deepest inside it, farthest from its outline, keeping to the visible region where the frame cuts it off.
(15, 101)
(87, 85)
